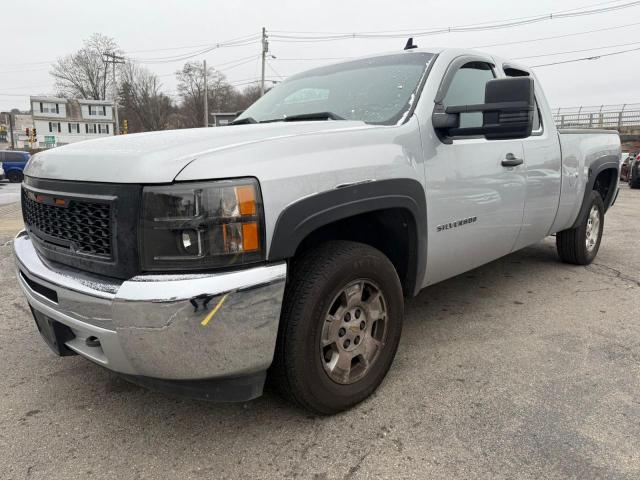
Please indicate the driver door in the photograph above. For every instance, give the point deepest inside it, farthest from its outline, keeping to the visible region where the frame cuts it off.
(475, 204)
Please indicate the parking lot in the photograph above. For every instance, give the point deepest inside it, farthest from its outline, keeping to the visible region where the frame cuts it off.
(9, 192)
(524, 368)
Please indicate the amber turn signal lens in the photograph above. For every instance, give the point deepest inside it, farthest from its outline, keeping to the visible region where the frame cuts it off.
(246, 199)
(250, 241)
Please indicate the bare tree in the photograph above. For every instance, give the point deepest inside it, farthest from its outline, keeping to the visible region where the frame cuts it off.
(191, 91)
(144, 106)
(247, 97)
(83, 74)
(222, 95)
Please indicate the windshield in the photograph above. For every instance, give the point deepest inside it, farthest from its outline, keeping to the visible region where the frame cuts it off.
(378, 90)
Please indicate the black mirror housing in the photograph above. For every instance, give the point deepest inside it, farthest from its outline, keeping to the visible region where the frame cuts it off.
(507, 112)
(515, 120)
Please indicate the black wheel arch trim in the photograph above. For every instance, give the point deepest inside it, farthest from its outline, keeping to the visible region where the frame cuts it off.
(300, 219)
(598, 166)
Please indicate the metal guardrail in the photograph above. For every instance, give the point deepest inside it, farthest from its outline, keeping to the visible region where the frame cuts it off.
(602, 116)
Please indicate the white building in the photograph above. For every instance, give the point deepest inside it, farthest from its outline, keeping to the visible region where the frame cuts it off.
(59, 121)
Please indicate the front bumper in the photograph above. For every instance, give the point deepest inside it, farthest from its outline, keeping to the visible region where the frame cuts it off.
(162, 328)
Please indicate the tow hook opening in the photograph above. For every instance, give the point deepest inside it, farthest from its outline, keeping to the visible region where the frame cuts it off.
(92, 341)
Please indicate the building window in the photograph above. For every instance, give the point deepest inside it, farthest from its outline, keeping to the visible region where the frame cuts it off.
(55, 127)
(103, 128)
(100, 110)
(74, 128)
(90, 128)
(49, 107)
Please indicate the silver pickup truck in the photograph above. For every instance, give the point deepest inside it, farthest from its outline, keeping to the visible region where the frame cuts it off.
(203, 261)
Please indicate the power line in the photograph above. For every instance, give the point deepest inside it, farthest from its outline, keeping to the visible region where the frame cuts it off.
(577, 51)
(508, 23)
(252, 36)
(556, 36)
(186, 56)
(595, 57)
(233, 42)
(311, 58)
(275, 71)
(22, 71)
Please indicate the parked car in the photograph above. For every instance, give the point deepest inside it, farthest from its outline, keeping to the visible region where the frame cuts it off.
(633, 172)
(625, 158)
(205, 260)
(1, 172)
(13, 163)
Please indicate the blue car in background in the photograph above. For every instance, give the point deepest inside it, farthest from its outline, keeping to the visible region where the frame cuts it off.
(13, 164)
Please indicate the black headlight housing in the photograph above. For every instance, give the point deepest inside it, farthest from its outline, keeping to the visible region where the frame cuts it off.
(201, 225)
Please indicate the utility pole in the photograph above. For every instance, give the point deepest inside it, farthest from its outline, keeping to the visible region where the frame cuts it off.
(265, 49)
(13, 143)
(206, 97)
(113, 59)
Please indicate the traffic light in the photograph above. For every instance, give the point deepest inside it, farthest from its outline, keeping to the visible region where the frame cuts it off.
(125, 127)
(34, 133)
(28, 133)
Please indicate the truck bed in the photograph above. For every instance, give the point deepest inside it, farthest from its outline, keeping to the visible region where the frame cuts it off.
(582, 150)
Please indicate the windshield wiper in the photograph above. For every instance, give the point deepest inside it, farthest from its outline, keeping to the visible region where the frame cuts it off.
(313, 116)
(292, 118)
(244, 121)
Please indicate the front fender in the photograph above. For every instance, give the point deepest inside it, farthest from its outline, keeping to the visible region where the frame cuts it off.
(303, 217)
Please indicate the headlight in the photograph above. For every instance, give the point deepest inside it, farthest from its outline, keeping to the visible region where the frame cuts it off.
(201, 225)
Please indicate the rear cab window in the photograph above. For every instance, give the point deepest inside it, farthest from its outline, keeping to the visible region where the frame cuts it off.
(537, 118)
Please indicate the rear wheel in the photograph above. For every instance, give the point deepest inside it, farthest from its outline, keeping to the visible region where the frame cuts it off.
(340, 327)
(580, 245)
(14, 177)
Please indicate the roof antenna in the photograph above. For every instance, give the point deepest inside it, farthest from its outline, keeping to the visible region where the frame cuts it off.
(410, 45)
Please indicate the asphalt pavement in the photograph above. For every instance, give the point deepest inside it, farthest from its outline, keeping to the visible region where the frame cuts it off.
(525, 368)
(9, 192)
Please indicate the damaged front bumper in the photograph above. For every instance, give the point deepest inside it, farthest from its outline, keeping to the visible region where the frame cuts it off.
(205, 335)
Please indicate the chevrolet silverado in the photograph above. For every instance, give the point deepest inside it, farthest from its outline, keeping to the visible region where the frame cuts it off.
(206, 261)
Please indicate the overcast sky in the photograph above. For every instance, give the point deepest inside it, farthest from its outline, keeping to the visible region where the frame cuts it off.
(36, 32)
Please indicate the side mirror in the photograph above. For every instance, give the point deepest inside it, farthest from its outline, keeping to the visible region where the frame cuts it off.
(507, 112)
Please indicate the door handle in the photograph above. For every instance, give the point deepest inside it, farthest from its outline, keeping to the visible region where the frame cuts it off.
(511, 161)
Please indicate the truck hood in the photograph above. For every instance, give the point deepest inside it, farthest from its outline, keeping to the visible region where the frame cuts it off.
(158, 157)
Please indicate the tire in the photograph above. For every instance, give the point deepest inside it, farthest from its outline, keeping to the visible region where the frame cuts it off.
(572, 244)
(311, 349)
(15, 177)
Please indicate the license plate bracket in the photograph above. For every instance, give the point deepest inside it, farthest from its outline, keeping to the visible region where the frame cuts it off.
(55, 334)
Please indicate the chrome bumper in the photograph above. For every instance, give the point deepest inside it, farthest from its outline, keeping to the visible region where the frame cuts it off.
(166, 327)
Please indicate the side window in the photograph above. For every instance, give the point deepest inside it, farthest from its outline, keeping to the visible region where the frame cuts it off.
(537, 124)
(467, 88)
(14, 157)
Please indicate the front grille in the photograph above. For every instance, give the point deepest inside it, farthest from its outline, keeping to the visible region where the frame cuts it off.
(89, 226)
(84, 227)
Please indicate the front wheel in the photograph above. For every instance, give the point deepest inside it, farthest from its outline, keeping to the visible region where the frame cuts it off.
(580, 245)
(15, 177)
(340, 326)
